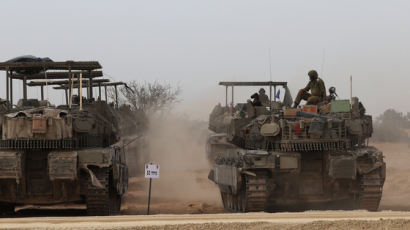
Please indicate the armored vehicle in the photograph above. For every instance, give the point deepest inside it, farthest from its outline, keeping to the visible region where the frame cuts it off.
(273, 157)
(71, 153)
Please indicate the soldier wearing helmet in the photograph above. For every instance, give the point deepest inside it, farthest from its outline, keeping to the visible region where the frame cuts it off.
(317, 91)
(264, 99)
(332, 94)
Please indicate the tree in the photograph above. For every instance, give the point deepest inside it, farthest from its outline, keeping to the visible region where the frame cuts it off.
(150, 97)
(391, 126)
(141, 103)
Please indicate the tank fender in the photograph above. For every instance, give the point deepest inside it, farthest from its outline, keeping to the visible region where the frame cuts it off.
(249, 173)
(369, 159)
(99, 157)
(226, 175)
(365, 170)
(94, 180)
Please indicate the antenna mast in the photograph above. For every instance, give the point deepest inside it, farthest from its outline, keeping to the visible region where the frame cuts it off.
(270, 66)
(323, 63)
(351, 89)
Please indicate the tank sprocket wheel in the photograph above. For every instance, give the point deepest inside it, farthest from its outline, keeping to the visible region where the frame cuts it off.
(6, 209)
(371, 188)
(103, 201)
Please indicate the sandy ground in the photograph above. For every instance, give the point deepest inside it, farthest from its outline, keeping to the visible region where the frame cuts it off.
(304, 220)
(198, 196)
(396, 191)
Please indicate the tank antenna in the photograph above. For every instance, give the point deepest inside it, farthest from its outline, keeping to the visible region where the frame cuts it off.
(270, 65)
(322, 67)
(351, 90)
(45, 75)
(81, 92)
(71, 91)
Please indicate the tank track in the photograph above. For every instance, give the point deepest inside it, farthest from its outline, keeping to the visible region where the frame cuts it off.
(6, 209)
(102, 201)
(371, 188)
(251, 197)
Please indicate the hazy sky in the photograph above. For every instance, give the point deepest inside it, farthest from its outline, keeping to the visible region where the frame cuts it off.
(197, 43)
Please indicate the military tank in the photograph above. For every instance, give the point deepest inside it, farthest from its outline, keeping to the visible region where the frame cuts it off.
(71, 153)
(270, 158)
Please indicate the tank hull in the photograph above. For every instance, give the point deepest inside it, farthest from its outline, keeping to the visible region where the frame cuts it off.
(259, 180)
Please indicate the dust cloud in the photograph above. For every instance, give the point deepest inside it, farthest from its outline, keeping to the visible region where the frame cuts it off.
(177, 144)
(396, 191)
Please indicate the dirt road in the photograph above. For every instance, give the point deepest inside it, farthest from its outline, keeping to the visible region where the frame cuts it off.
(396, 191)
(304, 220)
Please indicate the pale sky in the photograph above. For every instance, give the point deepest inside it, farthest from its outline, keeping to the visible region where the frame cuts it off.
(196, 43)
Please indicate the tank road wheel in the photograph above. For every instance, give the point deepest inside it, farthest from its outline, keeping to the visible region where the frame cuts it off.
(6, 209)
(371, 188)
(102, 201)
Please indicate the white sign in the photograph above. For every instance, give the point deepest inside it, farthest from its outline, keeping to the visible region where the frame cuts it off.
(151, 171)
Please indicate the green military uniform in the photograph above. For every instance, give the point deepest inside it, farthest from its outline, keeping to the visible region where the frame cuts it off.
(263, 98)
(318, 90)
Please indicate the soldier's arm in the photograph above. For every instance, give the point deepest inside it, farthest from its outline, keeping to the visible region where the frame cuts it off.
(323, 89)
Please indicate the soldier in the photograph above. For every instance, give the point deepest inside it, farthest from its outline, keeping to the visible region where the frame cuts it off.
(317, 89)
(332, 94)
(256, 101)
(264, 99)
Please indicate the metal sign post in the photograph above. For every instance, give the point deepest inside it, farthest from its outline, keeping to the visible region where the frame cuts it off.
(151, 171)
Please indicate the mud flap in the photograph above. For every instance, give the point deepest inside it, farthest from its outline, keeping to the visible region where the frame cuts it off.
(227, 176)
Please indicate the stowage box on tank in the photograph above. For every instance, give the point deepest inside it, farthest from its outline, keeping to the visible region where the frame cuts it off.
(70, 153)
(273, 157)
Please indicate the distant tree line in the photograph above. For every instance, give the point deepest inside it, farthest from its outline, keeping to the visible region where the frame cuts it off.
(392, 126)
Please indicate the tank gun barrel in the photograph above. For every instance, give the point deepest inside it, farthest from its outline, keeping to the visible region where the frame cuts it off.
(313, 115)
